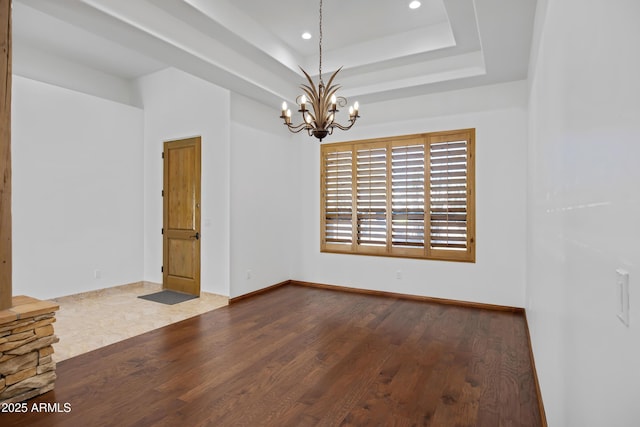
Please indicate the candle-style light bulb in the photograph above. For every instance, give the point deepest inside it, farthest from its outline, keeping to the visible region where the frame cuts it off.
(307, 119)
(333, 102)
(284, 107)
(356, 107)
(351, 112)
(303, 103)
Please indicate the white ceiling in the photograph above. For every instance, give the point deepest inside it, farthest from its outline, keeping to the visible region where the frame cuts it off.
(346, 22)
(254, 46)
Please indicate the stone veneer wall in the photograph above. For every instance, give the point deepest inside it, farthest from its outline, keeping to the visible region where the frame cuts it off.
(27, 368)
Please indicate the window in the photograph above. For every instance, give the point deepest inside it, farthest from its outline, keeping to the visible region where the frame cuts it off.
(406, 196)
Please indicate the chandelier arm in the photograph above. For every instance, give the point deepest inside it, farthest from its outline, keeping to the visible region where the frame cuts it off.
(341, 127)
(341, 101)
(296, 129)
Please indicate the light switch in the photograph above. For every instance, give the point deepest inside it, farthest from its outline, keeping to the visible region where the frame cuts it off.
(622, 285)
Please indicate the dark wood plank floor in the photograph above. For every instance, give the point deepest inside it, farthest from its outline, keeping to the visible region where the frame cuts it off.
(299, 356)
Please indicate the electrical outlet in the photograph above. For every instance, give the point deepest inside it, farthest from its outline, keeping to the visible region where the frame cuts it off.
(97, 274)
(249, 274)
(622, 285)
(399, 274)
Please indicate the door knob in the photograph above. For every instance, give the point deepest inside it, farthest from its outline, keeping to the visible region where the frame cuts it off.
(197, 236)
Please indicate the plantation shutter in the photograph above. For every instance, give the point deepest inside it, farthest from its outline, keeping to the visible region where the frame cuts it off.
(448, 195)
(338, 197)
(407, 196)
(371, 196)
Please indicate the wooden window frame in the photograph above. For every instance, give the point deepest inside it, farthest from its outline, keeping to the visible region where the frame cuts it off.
(329, 215)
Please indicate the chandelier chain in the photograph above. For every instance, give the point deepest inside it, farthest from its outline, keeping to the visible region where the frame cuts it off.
(320, 44)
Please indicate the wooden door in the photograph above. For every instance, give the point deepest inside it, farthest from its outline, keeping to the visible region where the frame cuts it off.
(181, 224)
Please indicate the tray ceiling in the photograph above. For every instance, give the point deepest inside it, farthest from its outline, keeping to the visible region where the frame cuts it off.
(254, 47)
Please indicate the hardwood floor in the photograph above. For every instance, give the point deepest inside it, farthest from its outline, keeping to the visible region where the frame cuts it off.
(299, 356)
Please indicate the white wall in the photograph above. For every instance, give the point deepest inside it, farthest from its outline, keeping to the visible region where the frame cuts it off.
(77, 191)
(499, 115)
(179, 105)
(584, 205)
(264, 197)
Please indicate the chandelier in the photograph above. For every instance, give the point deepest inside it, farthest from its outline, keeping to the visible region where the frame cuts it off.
(318, 106)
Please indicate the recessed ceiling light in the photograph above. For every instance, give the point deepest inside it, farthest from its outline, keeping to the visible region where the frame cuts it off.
(414, 4)
(306, 35)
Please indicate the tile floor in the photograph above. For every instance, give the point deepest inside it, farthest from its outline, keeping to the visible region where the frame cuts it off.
(98, 318)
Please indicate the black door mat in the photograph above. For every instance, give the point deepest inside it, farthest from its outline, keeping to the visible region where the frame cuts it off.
(168, 297)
